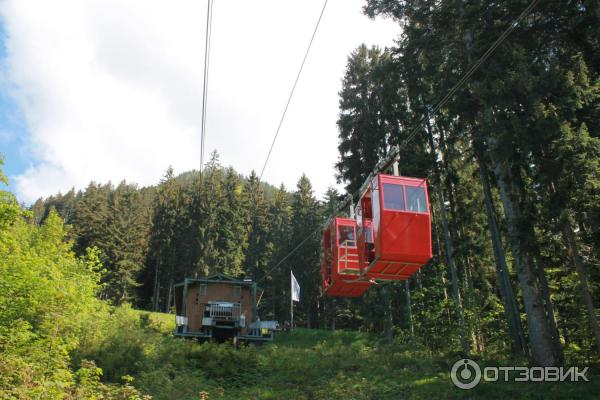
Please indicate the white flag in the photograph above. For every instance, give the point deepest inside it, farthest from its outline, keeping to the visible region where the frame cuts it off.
(295, 288)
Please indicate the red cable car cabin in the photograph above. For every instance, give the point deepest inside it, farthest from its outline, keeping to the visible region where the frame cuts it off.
(340, 260)
(394, 227)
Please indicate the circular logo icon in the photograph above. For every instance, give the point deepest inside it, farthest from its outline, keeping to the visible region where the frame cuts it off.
(465, 374)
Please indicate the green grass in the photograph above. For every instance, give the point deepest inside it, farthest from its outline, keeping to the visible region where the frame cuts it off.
(161, 322)
(303, 364)
(316, 364)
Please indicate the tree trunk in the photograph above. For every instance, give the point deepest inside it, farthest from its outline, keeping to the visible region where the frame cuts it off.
(409, 318)
(333, 314)
(443, 278)
(511, 308)
(449, 250)
(169, 296)
(549, 306)
(389, 321)
(318, 313)
(570, 242)
(520, 232)
(453, 275)
(156, 290)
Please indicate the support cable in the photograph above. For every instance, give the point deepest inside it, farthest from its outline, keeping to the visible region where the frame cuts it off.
(292, 91)
(395, 150)
(205, 84)
(430, 113)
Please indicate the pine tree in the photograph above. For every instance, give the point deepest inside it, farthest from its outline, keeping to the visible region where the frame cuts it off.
(125, 243)
(305, 261)
(279, 236)
(258, 256)
(163, 233)
(232, 225)
(92, 218)
(363, 132)
(207, 203)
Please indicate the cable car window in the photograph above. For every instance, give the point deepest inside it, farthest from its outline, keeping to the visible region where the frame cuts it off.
(375, 211)
(346, 233)
(368, 234)
(393, 197)
(415, 199)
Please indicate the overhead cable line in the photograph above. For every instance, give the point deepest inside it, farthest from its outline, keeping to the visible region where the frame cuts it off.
(287, 256)
(395, 151)
(292, 91)
(312, 38)
(205, 84)
(470, 72)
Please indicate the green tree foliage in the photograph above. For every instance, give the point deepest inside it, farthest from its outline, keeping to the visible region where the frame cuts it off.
(258, 256)
(521, 115)
(9, 209)
(363, 130)
(233, 226)
(188, 225)
(127, 231)
(512, 166)
(48, 303)
(305, 264)
(279, 236)
(46, 293)
(91, 217)
(164, 235)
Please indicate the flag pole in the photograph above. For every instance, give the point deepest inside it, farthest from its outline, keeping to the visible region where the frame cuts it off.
(291, 300)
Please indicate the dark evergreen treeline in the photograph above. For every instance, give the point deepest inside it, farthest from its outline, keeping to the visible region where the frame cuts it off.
(514, 172)
(512, 161)
(196, 225)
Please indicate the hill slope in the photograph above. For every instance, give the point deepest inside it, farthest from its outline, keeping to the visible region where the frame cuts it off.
(303, 364)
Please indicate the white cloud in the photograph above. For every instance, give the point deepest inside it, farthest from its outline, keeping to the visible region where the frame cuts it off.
(112, 89)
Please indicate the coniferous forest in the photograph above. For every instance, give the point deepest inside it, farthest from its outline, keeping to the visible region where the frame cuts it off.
(513, 168)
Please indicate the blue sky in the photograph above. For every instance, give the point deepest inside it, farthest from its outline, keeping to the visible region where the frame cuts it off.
(13, 129)
(112, 90)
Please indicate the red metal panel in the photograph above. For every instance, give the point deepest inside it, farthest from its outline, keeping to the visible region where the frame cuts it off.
(346, 289)
(401, 227)
(405, 235)
(395, 241)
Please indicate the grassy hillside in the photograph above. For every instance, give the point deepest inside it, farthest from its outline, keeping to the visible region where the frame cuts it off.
(304, 364)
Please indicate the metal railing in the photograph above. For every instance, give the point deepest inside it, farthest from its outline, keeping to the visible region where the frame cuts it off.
(226, 311)
(347, 257)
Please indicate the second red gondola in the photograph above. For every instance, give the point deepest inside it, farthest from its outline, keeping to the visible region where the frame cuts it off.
(340, 261)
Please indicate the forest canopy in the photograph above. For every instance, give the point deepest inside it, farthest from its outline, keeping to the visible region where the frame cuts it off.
(513, 168)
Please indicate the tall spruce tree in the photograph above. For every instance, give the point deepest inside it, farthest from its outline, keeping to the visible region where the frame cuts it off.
(163, 235)
(305, 262)
(126, 243)
(279, 236)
